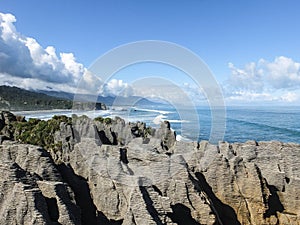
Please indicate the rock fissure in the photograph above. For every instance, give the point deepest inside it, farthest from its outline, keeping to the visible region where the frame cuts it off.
(188, 197)
(243, 199)
(149, 205)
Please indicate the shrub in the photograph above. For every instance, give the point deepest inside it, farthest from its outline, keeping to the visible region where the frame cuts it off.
(103, 120)
(107, 120)
(99, 119)
(40, 132)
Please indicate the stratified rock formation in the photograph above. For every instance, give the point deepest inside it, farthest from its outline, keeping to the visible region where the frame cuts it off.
(32, 189)
(106, 171)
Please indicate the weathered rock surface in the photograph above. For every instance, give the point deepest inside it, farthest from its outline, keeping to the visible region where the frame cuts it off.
(32, 190)
(111, 172)
(260, 181)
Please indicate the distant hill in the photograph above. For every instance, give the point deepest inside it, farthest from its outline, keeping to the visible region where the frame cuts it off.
(58, 94)
(13, 98)
(108, 100)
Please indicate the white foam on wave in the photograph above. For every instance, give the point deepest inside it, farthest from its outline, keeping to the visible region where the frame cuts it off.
(119, 108)
(152, 110)
(43, 114)
(178, 121)
(181, 138)
(136, 119)
(157, 120)
(48, 114)
(95, 113)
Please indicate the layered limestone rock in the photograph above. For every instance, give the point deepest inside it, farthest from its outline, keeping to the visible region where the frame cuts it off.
(112, 172)
(32, 190)
(6, 120)
(260, 181)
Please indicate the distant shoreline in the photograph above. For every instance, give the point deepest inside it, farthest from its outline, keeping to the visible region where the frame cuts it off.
(42, 110)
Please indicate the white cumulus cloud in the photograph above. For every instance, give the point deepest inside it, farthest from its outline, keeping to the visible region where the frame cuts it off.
(283, 72)
(248, 78)
(26, 64)
(278, 80)
(116, 87)
(290, 97)
(23, 57)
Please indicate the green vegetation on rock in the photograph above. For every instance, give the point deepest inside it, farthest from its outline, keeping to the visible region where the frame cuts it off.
(40, 132)
(103, 120)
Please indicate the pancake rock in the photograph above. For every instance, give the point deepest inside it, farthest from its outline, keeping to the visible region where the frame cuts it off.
(106, 171)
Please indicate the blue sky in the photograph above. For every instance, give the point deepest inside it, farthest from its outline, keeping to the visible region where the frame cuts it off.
(252, 47)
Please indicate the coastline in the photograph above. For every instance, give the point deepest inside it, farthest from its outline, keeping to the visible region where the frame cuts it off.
(125, 168)
(242, 123)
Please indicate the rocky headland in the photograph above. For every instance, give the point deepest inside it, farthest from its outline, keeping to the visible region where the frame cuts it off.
(106, 171)
(17, 99)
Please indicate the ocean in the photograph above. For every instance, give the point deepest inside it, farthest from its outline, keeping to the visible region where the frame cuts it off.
(242, 123)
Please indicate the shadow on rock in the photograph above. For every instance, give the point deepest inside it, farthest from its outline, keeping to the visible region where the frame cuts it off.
(89, 213)
(182, 215)
(274, 204)
(149, 205)
(226, 214)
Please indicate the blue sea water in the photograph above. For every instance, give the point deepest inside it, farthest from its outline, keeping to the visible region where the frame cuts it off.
(242, 123)
(263, 124)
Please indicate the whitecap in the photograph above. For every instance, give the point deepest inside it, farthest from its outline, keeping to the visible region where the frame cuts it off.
(178, 121)
(181, 138)
(157, 120)
(152, 110)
